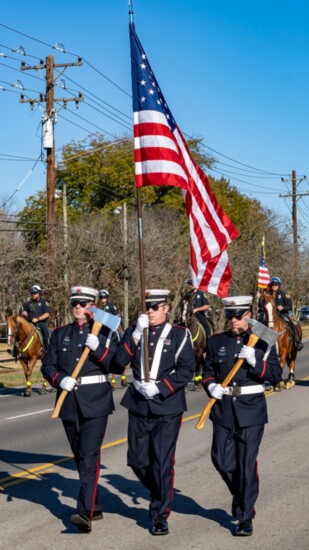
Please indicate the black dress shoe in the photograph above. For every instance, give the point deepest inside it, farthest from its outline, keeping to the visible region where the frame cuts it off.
(82, 521)
(300, 346)
(244, 528)
(97, 515)
(234, 510)
(160, 527)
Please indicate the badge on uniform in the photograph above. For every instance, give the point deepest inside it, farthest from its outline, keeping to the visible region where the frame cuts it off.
(222, 351)
(167, 341)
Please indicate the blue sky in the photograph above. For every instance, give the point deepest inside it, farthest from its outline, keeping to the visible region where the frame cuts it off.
(235, 73)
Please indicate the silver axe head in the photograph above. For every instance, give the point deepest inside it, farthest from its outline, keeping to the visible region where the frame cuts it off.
(267, 334)
(107, 319)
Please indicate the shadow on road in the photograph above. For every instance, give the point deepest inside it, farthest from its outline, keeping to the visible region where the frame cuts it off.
(182, 504)
(51, 489)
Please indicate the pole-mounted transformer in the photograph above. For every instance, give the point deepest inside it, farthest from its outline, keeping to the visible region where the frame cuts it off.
(47, 132)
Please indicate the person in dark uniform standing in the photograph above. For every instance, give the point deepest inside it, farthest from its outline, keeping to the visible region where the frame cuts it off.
(37, 310)
(284, 306)
(90, 400)
(240, 412)
(156, 407)
(106, 304)
(200, 306)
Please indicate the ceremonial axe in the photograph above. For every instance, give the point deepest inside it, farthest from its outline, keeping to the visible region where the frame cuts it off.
(258, 331)
(100, 318)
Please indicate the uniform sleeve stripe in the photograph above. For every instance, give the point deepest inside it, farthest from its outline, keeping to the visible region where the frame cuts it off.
(53, 379)
(128, 350)
(207, 380)
(104, 355)
(169, 385)
(264, 370)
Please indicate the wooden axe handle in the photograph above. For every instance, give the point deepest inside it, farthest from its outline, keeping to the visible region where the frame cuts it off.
(95, 330)
(201, 421)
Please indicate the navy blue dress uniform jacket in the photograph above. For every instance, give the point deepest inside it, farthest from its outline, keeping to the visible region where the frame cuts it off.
(221, 355)
(36, 308)
(66, 346)
(176, 369)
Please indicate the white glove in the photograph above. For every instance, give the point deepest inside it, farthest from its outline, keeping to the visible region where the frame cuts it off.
(67, 383)
(92, 342)
(248, 354)
(142, 322)
(216, 390)
(149, 390)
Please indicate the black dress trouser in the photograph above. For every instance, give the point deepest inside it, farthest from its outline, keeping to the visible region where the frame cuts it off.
(234, 455)
(85, 436)
(151, 455)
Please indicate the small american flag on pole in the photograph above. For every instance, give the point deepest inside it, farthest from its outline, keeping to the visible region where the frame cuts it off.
(162, 157)
(263, 275)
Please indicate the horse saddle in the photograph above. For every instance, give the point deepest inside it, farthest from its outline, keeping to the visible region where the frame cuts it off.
(38, 330)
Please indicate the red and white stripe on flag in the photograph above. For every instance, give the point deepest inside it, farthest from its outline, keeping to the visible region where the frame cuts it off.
(162, 157)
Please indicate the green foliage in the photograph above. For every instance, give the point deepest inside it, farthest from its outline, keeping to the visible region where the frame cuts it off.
(99, 175)
(32, 220)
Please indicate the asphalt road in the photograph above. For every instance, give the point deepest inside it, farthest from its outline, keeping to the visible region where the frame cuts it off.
(39, 484)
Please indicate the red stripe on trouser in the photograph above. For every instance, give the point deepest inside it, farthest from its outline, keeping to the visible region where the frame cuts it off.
(234, 455)
(95, 490)
(151, 452)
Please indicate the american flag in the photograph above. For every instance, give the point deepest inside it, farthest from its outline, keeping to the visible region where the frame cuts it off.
(162, 157)
(263, 275)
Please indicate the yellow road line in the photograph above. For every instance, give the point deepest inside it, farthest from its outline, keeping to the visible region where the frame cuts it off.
(35, 472)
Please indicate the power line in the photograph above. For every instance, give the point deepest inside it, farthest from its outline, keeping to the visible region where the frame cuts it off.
(85, 120)
(97, 97)
(67, 52)
(21, 183)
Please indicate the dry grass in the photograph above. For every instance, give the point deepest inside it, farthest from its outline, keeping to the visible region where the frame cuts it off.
(12, 374)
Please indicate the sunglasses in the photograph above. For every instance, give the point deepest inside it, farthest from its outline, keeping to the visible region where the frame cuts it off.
(80, 303)
(239, 316)
(155, 307)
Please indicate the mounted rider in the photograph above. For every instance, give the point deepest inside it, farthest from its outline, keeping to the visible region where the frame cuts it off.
(37, 311)
(284, 306)
(200, 306)
(106, 304)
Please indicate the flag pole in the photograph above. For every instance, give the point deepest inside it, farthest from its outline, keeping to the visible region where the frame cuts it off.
(141, 250)
(142, 276)
(131, 12)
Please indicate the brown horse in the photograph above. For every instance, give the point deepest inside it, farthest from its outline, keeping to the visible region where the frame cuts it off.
(287, 349)
(27, 341)
(187, 318)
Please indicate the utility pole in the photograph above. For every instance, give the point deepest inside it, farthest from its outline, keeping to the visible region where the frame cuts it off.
(294, 195)
(48, 122)
(65, 244)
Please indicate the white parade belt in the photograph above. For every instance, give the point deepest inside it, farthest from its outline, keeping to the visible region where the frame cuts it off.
(98, 379)
(244, 390)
